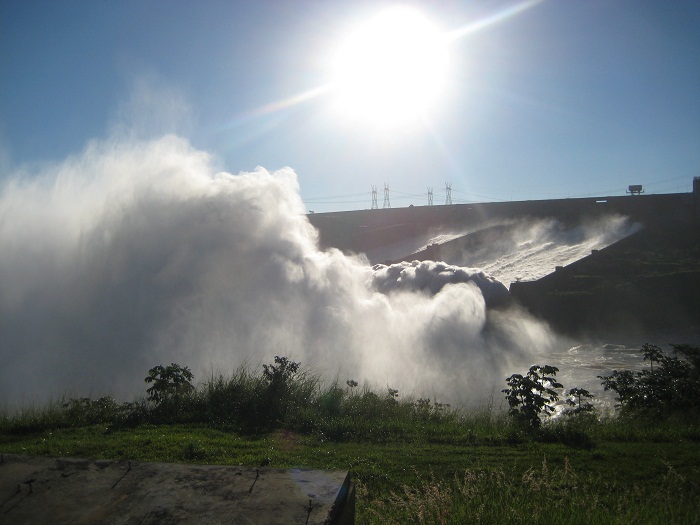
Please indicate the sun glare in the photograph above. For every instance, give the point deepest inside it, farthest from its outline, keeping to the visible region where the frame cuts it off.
(392, 69)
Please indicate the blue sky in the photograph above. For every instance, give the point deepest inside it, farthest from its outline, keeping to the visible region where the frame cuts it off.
(564, 98)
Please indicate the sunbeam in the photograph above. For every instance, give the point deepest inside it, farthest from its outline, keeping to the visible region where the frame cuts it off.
(493, 19)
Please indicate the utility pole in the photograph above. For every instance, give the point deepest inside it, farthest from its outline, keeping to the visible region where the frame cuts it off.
(387, 204)
(430, 196)
(448, 193)
(375, 206)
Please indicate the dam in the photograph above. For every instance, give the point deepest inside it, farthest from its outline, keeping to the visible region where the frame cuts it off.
(646, 278)
(360, 231)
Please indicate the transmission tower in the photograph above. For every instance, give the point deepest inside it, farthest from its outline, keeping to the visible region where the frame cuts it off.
(375, 206)
(430, 196)
(387, 204)
(448, 193)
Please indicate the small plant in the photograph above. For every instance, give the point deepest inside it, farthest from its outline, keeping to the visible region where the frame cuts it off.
(278, 398)
(653, 353)
(423, 409)
(169, 383)
(86, 411)
(423, 405)
(282, 371)
(532, 394)
(577, 400)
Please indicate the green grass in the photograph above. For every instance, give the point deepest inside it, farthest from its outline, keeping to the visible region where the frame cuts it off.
(414, 480)
(413, 461)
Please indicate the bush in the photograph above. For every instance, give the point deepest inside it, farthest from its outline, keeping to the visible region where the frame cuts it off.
(672, 385)
(169, 383)
(532, 394)
(277, 398)
(576, 399)
(78, 412)
(172, 393)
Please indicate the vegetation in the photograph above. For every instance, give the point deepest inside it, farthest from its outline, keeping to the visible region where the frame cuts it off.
(532, 394)
(576, 399)
(414, 461)
(170, 383)
(673, 386)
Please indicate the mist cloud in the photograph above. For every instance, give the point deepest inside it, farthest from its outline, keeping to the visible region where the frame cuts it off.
(133, 254)
(431, 276)
(529, 249)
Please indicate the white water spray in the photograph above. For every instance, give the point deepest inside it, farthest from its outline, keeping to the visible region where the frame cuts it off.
(134, 254)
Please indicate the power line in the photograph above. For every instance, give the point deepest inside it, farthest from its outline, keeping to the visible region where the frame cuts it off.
(655, 186)
(414, 195)
(329, 197)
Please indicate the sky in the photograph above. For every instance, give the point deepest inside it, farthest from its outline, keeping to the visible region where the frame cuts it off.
(538, 99)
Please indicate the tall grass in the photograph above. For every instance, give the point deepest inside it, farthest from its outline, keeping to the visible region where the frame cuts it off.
(249, 401)
(253, 402)
(540, 495)
(73, 413)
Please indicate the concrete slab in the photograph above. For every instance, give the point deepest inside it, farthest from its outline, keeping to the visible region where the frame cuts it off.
(45, 490)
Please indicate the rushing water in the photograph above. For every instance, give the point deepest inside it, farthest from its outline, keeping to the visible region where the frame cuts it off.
(580, 365)
(134, 254)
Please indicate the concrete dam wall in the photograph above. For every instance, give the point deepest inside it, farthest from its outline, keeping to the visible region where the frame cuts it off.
(646, 280)
(360, 231)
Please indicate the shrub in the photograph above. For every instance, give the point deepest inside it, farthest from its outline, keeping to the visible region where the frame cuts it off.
(77, 412)
(169, 383)
(672, 385)
(575, 400)
(173, 394)
(277, 397)
(532, 394)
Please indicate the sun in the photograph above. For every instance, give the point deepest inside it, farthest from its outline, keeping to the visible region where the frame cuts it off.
(390, 70)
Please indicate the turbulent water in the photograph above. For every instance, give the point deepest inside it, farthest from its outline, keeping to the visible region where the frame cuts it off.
(138, 253)
(522, 250)
(581, 364)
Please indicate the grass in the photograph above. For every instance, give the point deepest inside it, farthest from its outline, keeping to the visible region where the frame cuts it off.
(413, 461)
